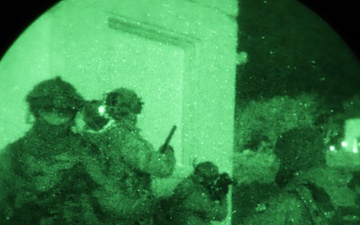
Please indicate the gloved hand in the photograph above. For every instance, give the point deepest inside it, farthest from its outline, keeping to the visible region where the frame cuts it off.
(166, 149)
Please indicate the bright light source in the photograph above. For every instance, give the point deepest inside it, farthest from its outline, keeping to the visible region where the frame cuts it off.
(344, 143)
(332, 148)
(101, 109)
(355, 150)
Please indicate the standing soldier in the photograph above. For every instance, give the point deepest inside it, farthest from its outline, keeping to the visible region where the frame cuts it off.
(42, 178)
(127, 163)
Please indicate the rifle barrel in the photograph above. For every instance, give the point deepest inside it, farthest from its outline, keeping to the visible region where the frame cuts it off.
(167, 141)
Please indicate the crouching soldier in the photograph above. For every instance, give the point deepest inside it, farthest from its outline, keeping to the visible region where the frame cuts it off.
(199, 199)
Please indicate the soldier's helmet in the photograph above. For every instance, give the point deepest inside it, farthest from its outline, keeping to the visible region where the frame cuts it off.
(207, 170)
(54, 94)
(301, 148)
(121, 102)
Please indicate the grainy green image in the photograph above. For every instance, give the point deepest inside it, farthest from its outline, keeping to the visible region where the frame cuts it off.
(179, 112)
(297, 127)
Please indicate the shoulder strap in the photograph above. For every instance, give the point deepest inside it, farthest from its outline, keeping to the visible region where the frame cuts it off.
(316, 201)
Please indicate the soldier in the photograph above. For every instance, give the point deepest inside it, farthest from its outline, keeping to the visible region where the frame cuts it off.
(310, 192)
(199, 199)
(43, 180)
(127, 163)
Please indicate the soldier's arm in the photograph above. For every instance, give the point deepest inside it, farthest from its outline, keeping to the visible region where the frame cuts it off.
(294, 211)
(142, 155)
(7, 185)
(283, 209)
(200, 204)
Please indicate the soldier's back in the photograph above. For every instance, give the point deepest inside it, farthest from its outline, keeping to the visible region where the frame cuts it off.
(283, 209)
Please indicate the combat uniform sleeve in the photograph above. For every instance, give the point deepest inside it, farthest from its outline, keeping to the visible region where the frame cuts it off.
(293, 211)
(141, 155)
(282, 210)
(8, 185)
(4, 165)
(200, 204)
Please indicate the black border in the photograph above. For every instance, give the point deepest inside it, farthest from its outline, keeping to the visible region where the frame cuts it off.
(343, 16)
(16, 16)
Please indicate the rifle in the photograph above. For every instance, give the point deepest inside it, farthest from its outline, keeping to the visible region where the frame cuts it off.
(220, 186)
(167, 141)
